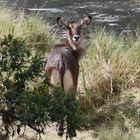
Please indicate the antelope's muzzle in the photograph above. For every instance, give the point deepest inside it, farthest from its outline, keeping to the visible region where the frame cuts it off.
(76, 38)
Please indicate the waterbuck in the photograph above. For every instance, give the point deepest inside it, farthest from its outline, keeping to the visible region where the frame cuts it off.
(62, 63)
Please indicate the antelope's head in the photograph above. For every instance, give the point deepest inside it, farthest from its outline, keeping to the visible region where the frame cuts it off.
(73, 30)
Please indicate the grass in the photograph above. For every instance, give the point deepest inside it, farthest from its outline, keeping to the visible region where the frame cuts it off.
(32, 28)
(109, 81)
(111, 65)
(116, 133)
(109, 77)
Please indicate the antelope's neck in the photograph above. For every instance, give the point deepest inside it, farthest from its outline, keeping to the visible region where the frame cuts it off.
(79, 50)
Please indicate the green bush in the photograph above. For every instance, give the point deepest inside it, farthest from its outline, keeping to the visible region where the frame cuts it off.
(25, 99)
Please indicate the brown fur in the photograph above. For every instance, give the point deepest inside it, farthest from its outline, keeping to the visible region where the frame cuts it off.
(64, 58)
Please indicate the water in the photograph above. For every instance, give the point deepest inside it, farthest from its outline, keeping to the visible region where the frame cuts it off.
(119, 15)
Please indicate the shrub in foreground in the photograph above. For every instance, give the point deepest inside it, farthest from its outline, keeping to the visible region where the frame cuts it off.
(25, 99)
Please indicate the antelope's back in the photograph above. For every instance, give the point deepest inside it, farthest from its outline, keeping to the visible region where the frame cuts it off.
(62, 59)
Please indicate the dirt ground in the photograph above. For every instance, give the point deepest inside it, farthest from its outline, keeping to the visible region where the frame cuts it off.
(51, 134)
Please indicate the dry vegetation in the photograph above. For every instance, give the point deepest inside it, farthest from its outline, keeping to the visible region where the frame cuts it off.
(110, 83)
(33, 29)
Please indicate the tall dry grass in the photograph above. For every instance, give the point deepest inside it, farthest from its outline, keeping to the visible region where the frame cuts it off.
(32, 28)
(116, 133)
(110, 77)
(111, 64)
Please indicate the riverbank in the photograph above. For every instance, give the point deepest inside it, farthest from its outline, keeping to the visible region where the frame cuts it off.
(109, 91)
(116, 15)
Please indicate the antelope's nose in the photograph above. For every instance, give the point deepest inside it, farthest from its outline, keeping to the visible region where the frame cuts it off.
(76, 37)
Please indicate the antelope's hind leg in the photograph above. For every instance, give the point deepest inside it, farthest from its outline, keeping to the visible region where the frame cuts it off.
(68, 82)
(55, 78)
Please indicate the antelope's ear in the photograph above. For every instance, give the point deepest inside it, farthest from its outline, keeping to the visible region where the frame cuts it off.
(86, 21)
(62, 22)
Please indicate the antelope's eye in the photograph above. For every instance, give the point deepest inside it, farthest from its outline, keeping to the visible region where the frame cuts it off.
(69, 28)
(80, 27)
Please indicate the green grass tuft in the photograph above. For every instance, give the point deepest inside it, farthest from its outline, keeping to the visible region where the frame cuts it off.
(32, 28)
